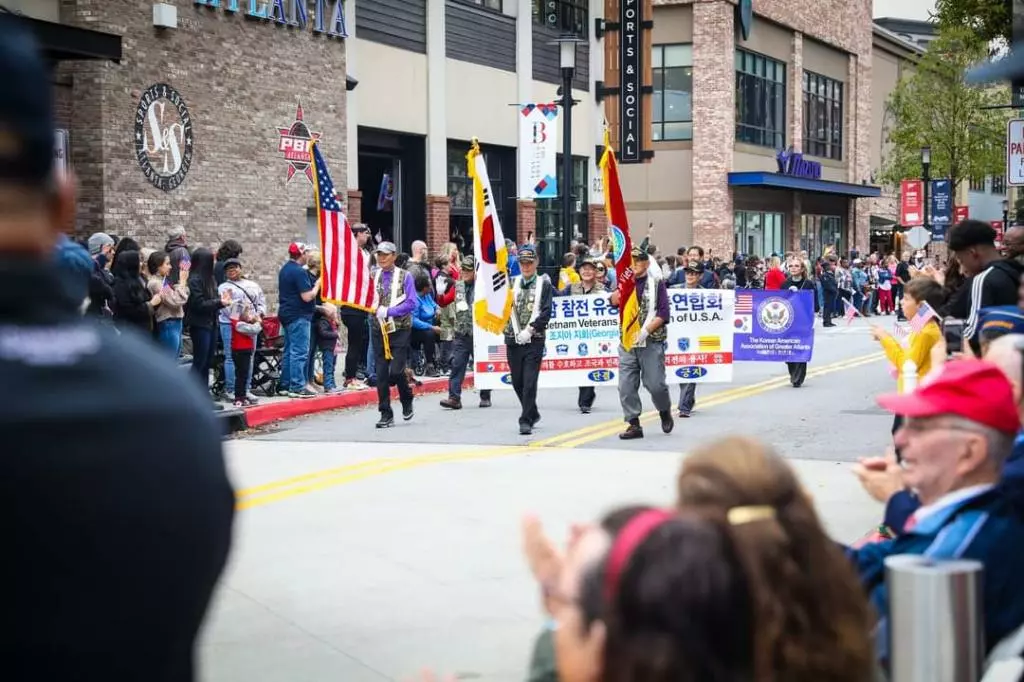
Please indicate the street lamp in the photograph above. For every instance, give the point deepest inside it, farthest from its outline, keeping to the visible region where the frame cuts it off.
(926, 163)
(1006, 214)
(567, 43)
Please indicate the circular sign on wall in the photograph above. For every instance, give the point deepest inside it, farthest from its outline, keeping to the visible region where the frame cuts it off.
(163, 136)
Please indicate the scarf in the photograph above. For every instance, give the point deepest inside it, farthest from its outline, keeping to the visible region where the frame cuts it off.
(516, 289)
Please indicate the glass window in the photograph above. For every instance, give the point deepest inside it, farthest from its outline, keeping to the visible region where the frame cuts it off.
(460, 186)
(757, 234)
(489, 4)
(998, 184)
(817, 232)
(977, 184)
(570, 16)
(551, 239)
(823, 116)
(760, 100)
(672, 101)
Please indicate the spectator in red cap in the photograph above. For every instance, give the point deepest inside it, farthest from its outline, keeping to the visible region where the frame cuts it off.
(958, 432)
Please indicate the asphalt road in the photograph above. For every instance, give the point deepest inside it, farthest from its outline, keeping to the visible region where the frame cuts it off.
(367, 555)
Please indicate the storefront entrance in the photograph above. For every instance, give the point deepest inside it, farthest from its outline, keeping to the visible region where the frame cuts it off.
(392, 178)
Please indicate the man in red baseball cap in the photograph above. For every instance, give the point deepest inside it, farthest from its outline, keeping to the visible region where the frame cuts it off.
(959, 430)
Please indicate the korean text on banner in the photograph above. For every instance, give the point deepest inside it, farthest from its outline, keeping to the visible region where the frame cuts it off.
(582, 347)
(492, 294)
(346, 267)
(774, 326)
(538, 151)
(911, 203)
(622, 246)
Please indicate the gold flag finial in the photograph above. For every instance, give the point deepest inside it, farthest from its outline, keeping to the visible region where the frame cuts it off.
(475, 142)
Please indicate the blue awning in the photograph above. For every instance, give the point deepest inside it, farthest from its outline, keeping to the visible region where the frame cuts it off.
(778, 181)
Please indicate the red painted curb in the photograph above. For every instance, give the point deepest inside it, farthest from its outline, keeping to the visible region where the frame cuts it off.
(259, 415)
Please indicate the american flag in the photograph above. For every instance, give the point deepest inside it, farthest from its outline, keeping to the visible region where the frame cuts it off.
(744, 304)
(497, 354)
(924, 313)
(346, 267)
(851, 312)
(901, 331)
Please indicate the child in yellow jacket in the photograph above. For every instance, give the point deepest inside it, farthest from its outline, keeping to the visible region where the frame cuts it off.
(919, 344)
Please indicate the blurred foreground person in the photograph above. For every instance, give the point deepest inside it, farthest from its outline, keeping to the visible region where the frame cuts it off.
(116, 529)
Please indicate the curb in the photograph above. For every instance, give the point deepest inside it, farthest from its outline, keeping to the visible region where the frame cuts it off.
(260, 415)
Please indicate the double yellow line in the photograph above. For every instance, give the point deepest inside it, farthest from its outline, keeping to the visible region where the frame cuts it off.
(276, 491)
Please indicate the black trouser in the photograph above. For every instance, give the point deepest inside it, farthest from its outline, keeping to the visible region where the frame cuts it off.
(524, 364)
(829, 308)
(355, 323)
(462, 348)
(587, 396)
(425, 340)
(243, 362)
(797, 372)
(391, 372)
(897, 298)
(897, 422)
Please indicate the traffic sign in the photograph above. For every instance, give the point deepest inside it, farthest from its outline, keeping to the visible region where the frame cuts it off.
(1015, 152)
(917, 237)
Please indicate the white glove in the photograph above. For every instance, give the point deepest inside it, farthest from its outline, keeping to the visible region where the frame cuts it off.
(382, 313)
(793, 289)
(642, 336)
(525, 336)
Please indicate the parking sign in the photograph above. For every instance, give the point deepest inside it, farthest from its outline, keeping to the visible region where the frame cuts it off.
(1015, 152)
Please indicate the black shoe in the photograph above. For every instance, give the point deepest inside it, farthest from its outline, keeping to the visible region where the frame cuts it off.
(632, 432)
(452, 403)
(536, 420)
(585, 409)
(386, 421)
(485, 402)
(525, 429)
(666, 421)
(407, 412)
(431, 372)
(828, 324)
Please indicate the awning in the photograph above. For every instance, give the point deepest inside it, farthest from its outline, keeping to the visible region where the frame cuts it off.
(62, 42)
(767, 180)
(881, 222)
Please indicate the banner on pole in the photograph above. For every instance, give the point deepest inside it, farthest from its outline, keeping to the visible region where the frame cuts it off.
(911, 203)
(773, 326)
(582, 347)
(941, 209)
(538, 151)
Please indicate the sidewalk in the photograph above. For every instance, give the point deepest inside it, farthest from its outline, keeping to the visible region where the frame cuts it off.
(275, 409)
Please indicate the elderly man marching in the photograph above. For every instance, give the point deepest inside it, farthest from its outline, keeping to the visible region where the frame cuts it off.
(396, 300)
(588, 284)
(462, 343)
(645, 361)
(525, 334)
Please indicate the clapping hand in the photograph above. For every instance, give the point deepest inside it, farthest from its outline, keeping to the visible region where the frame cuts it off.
(882, 477)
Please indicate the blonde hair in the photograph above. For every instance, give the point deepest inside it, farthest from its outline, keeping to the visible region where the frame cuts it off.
(775, 262)
(812, 619)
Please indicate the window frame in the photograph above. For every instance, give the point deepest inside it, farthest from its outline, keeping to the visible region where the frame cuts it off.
(772, 92)
(774, 228)
(998, 184)
(658, 122)
(550, 210)
(573, 16)
(485, 4)
(828, 94)
(977, 184)
(461, 182)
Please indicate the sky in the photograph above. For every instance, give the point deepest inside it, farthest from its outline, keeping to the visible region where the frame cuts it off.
(904, 9)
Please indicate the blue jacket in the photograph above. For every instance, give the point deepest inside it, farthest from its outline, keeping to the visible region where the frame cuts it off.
(426, 311)
(986, 528)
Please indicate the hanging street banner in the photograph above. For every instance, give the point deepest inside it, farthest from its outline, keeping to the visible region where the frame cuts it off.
(773, 326)
(538, 151)
(911, 203)
(941, 214)
(582, 347)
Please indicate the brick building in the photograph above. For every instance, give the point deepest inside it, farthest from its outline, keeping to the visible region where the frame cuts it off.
(765, 143)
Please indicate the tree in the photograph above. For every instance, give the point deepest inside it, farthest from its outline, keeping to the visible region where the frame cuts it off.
(990, 20)
(933, 106)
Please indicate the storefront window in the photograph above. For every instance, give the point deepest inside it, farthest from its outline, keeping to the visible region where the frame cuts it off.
(758, 234)
(760, 100)
(460, 193)
(552, 241)
(823, 116)
(672, 110)
(568, 16)
(817, 232)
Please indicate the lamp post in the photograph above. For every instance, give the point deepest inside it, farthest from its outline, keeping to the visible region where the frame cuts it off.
(567, 60)
(926, 163)
(1006, 215)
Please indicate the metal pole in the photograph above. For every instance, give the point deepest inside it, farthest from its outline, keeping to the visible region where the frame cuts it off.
(566, 163)
(927, 183)
(935, 629)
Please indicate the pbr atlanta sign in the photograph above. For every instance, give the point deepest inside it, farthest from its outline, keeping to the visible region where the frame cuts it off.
(163, 136)
(295, 142)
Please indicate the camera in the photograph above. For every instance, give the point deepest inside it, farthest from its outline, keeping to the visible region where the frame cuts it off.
(953, 333)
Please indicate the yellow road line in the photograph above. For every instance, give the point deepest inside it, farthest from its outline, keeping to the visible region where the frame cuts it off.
(319, 480)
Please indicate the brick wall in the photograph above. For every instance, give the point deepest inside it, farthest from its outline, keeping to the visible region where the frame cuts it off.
(355, 206)
(241, 79)
(438, 209)
(598, 221)
(526, 220)
(714, 135)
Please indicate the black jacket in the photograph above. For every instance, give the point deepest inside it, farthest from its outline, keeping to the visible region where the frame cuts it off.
(326, 334)
(101, 290)
(131, 303)
(118, 511)
(998, 284)
(202, 308)
(803, 285)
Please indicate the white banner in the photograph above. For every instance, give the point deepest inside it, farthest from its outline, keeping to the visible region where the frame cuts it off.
(538, 151)
(582, 347)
